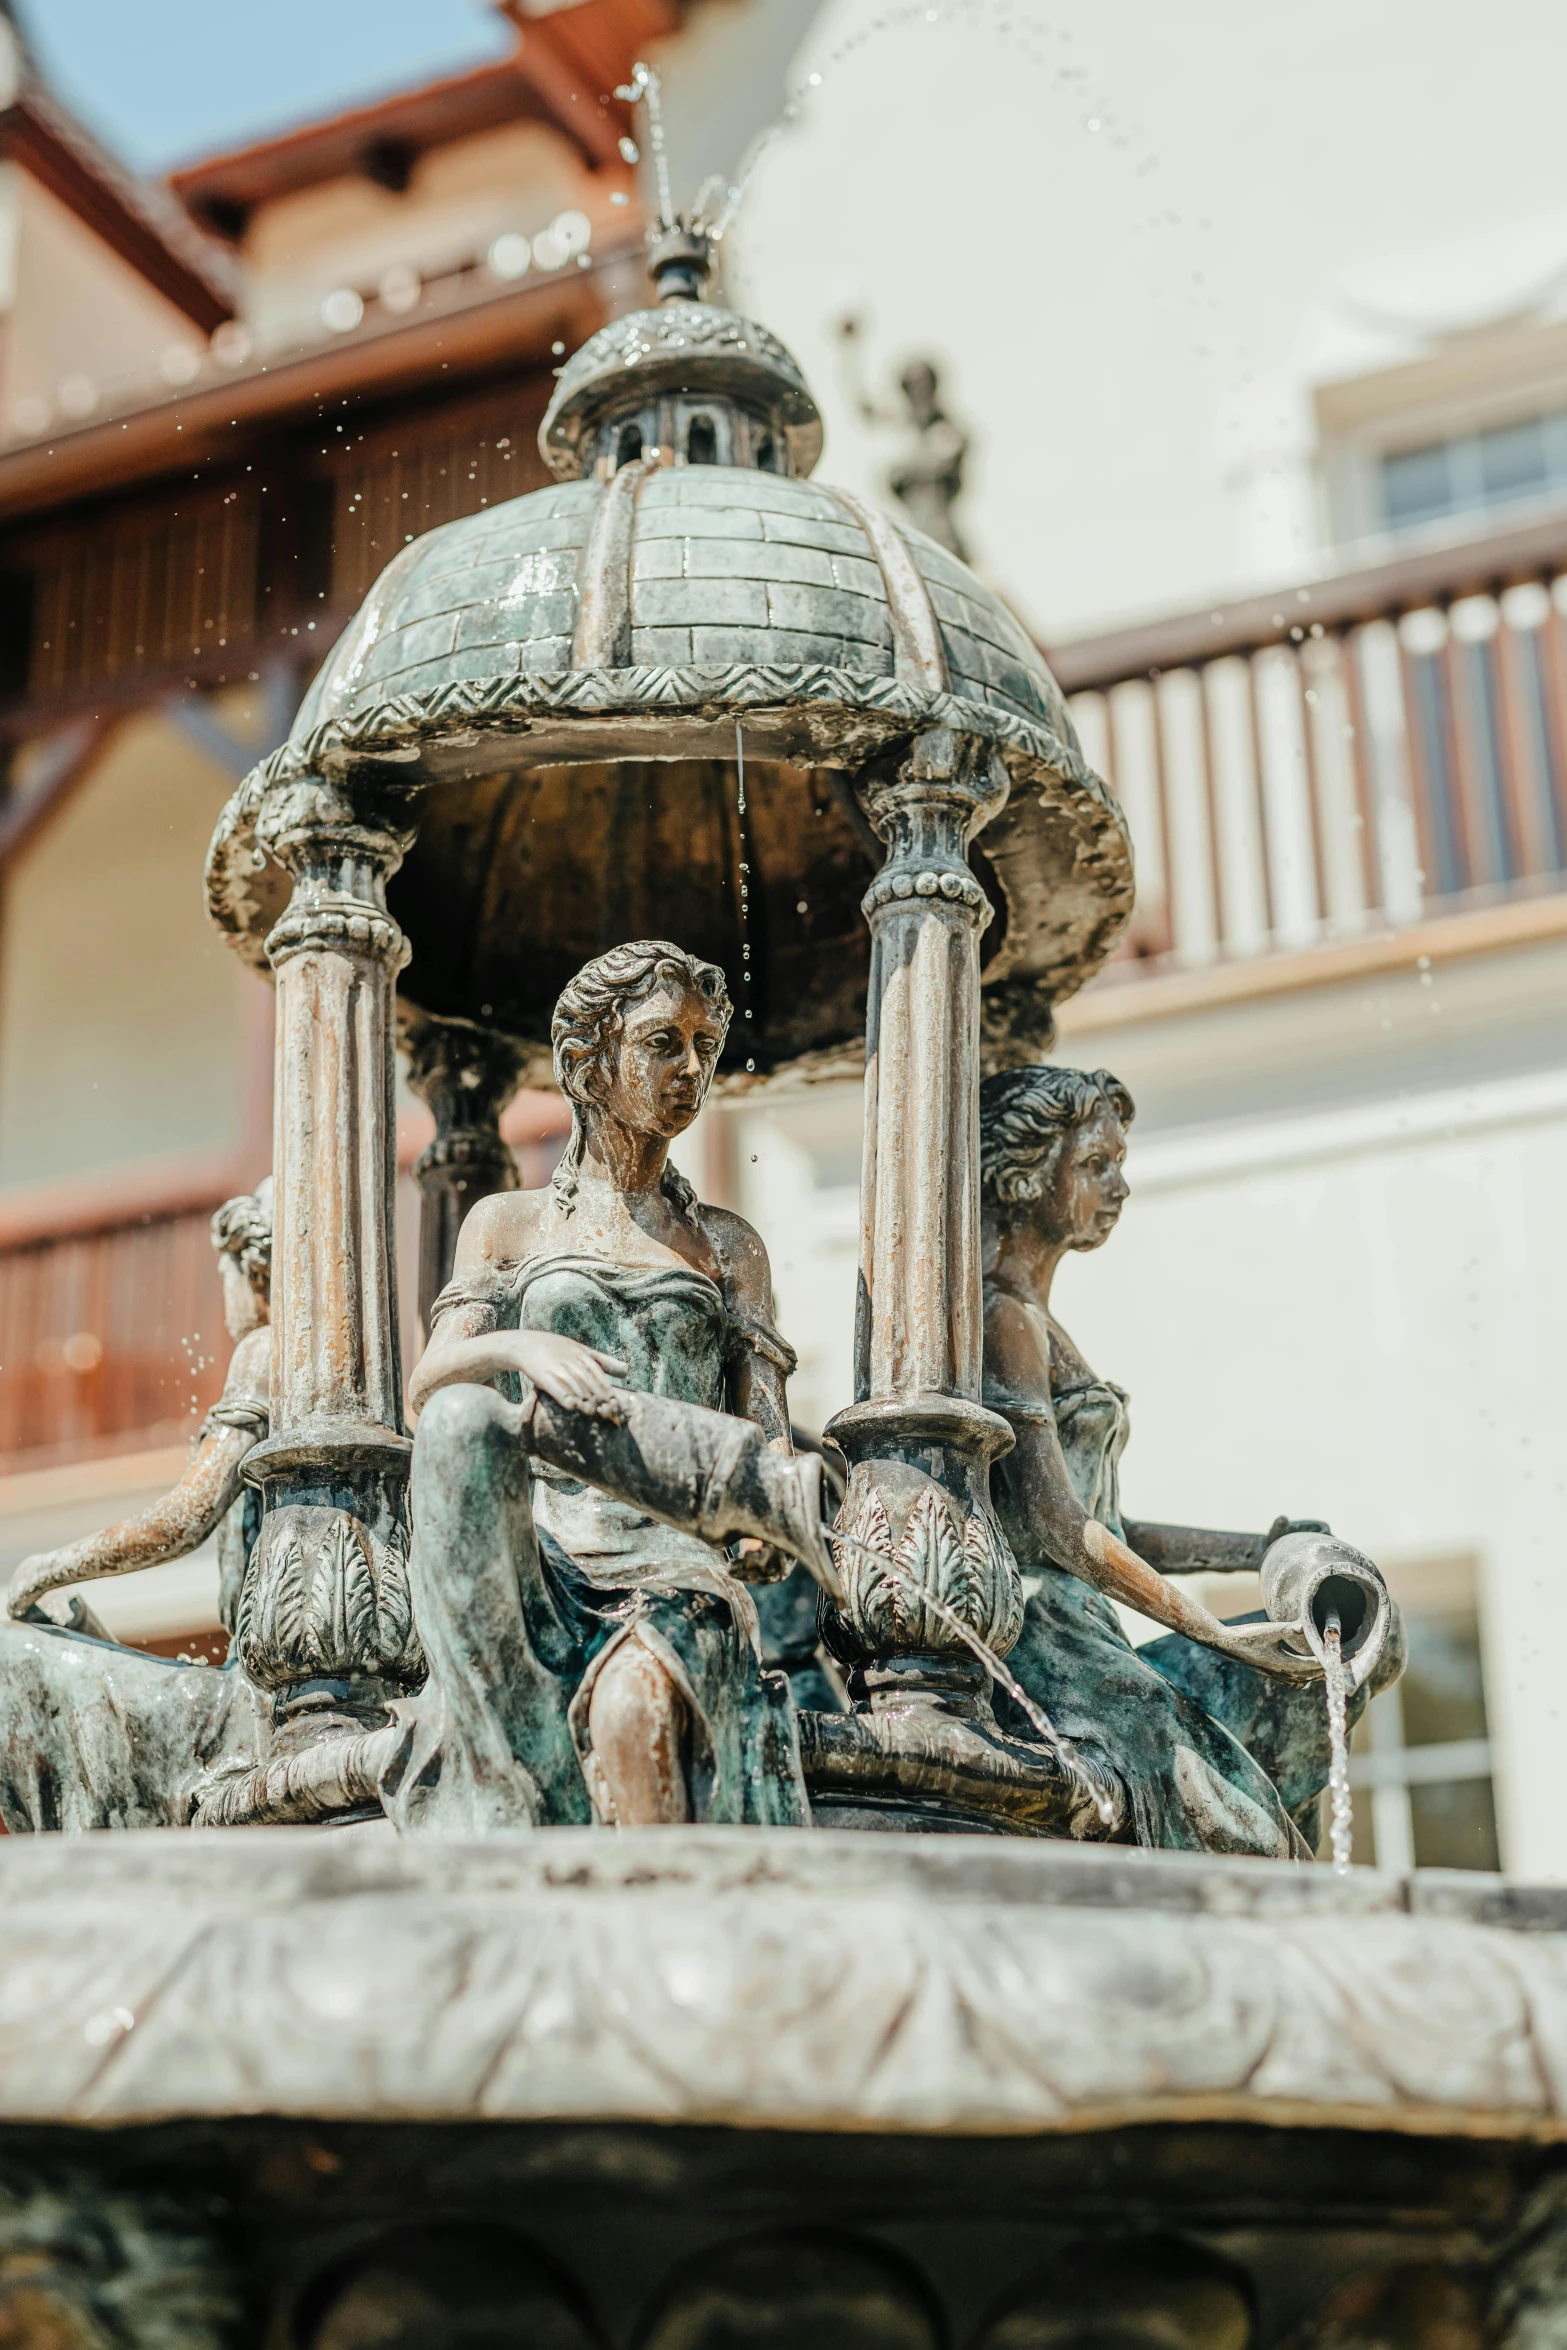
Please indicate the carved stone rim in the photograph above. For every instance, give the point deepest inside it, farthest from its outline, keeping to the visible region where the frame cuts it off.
(945, 1983)
(831, 716)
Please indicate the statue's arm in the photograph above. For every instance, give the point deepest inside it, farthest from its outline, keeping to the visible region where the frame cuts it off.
(1205, 1550)
(467, 1348)
(762, 1360)
(1017, 1367)
(181, 1521)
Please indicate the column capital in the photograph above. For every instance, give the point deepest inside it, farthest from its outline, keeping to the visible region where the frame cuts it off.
(320, 820)
(465, 1074)
(943, 772)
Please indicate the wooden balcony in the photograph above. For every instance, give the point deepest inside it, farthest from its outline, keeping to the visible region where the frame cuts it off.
(111, 1337)
(1341, 758)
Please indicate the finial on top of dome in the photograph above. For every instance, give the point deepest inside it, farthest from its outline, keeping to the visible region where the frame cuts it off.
(680, 244)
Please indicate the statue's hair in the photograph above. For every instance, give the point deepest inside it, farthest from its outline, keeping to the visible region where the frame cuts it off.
(242, 1229)
(589, 1016)
(1026, 1114)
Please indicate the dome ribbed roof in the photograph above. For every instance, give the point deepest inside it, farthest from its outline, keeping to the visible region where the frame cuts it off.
(558, 689)
(725, 567)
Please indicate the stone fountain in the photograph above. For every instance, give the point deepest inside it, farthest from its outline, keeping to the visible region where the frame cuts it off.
(310, 2077)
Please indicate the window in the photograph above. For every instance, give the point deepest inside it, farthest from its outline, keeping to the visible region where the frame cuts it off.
(1476, 472)
(1420, 1760)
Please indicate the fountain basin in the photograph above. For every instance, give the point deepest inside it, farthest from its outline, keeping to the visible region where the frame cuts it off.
(626, 2067)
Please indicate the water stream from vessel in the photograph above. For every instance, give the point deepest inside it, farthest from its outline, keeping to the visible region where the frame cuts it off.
(1340, 1817)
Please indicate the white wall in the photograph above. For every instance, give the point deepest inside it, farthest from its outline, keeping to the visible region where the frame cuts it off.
(122, 1011)
(1134, 317)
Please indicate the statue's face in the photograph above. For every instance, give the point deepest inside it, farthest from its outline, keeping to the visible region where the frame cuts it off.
(664, 1059)
(1087, 1190)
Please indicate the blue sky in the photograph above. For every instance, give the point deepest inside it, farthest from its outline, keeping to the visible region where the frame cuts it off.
(161, 81)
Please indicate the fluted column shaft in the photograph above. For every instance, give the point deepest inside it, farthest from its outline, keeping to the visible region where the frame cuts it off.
(324, 1621)
(921, 1325)
(918, 1440)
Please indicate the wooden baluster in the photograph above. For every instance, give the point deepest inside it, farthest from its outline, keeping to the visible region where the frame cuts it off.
(1223, 910)
(1475, 821)
(1525, 783)
(1311, 781)
(1553, 682)
(1427, 778)
(1371, 876)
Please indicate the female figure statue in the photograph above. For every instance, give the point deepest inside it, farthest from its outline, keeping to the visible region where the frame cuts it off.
(93, 1735)
(1219, 1744)
(593, 1656)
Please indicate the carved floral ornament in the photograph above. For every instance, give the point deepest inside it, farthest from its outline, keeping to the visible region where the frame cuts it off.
(969, 1571)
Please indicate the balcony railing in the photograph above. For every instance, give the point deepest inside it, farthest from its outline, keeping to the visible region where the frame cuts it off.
(110, 1339)
(1353, 754)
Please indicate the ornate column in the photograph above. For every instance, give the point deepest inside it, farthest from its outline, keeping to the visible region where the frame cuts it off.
(929, 1559)
(324, 1621)
(466, 1075)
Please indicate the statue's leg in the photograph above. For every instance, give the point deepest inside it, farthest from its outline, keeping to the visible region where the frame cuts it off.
(638, 1729)
(489, 1743)
(97, 1736)
(1190, 1784)
(708, 1473)
(1284, 1729)
(678, 1719)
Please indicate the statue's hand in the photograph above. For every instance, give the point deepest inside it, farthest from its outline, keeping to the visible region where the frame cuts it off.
(1277, 1649)
(1282, 1526)
(568, 1372)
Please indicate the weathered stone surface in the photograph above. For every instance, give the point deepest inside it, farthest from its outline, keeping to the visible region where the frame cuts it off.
(813, 1982)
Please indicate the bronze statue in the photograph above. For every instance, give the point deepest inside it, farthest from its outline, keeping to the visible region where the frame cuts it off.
(632, 1676)
(927, 480)
(203, 1500)
(1219, 1733)
(97, 1735)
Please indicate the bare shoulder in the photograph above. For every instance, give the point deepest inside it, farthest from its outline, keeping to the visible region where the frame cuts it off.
(500, 1229)
(1017, 1341)
(739, 1249)
(250, 1365)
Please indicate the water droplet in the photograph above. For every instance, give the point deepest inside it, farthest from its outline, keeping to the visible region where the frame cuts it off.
(558, 349)
(753, 1154)
(630, 151)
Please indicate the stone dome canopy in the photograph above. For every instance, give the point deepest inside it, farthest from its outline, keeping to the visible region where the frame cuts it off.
(723, 566)
(560, 690)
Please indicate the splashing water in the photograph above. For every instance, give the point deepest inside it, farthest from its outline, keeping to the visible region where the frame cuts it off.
(643, 89)
(987, 1656)
(1340, 1818)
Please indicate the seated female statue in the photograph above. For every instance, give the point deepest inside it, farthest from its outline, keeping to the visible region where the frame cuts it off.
(95, 1735)
(1217, 1749)
(593, 1656)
